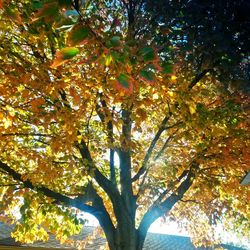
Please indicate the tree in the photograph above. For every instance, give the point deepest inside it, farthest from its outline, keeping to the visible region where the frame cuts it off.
(85, 81)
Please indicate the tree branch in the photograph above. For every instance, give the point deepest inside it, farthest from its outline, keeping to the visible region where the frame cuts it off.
(98, 209)
(157, 156)
(151, 147)
(27, 134)
(163, 127)
(120, 206)
(77, 203)
(165, 146)
(198, 78)
(102, 181)
(158, 210)
(170, 188)
(9, 185)
(109, 127)
(105, 222)
(124, 153)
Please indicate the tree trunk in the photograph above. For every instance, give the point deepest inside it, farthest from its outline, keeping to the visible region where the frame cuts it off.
(125, 235)
(126, 239)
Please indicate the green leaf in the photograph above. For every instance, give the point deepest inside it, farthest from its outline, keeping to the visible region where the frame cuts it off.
(68, 53)
(147, 75)
(36, 4)
(148, 53)
(234, 121)
(11, 12)
(131, 43)
(115, 41)
(133, 60)
(115, 55)
(123, 79)
(64, 3)
(78, 34)
(48, 10)
(64, 55)
(167, 68)
(120, 57)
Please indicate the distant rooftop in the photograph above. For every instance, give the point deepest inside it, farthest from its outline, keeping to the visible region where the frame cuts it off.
(246, 179)
(153, 241)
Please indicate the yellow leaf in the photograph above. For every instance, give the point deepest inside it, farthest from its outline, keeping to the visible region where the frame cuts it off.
(108, 60)
(7, 122)
(173, 78)
(171, 93)
(155, 96)
(79, 138)
(192, 108)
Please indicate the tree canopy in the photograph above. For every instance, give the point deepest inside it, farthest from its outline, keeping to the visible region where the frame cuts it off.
(129, 110)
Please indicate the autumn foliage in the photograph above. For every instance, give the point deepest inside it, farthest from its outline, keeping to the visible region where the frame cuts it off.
(98, 116)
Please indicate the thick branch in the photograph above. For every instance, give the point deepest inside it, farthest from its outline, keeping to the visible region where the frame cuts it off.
(131, 10)
(105, 221)
(125, 164)
(111, 190)
(124, 154)
(98, 209)
(107, 186)
(77, 203)
(109, 126)
(103, 182)
(158, 210)
(121, 210)
(112, 151)
(112, 165)
(171, 186)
